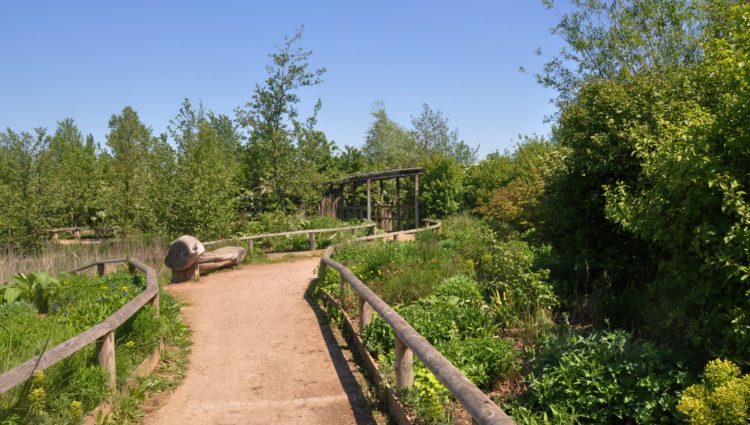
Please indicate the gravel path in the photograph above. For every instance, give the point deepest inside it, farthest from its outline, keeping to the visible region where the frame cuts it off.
(262, 354)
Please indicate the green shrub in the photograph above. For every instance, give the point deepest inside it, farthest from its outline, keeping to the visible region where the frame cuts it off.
(428, 396)
(483, 360)
(519, 291)
(555, 415)
(36, 288)
(463, 289)
(722, 397)
(605, 377)
(438, 320)
(468, 236)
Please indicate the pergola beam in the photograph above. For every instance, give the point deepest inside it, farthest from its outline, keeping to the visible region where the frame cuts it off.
(379, 175)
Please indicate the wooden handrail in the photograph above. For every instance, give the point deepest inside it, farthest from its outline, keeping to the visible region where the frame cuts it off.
(292, 233)
(101, 333)
(436, 226)
(481, 408)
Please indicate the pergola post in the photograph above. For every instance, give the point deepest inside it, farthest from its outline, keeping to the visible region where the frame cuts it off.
(355, 204)
(398, 203)
(369, 199)
(416, 201)
(381, 216)
(343, 201)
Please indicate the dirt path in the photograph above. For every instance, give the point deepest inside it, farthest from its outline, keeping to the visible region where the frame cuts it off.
(261, 354)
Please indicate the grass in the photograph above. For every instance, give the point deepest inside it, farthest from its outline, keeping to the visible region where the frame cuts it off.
(64, 392)
(56, 258)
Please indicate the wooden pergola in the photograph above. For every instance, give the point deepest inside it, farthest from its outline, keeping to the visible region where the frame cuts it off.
(334, 200)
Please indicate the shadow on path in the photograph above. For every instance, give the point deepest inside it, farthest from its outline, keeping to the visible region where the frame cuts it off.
(357, 400)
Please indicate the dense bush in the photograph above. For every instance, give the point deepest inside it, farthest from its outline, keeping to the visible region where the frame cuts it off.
(441, 192)
(520, 291)
(438, 320)
(722, 398)
(605, 377)
(455, 321)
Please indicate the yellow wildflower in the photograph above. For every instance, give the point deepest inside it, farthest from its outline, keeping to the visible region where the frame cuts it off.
(76, 410)
(38, 379)
(37, 398)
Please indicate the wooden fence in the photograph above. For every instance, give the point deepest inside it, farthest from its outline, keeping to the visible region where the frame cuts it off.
(311, 233)
(409, 342)
(103, 333)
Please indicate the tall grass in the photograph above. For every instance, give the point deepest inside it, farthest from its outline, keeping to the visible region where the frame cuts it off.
(56, 258)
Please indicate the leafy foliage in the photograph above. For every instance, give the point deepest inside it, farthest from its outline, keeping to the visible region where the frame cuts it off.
(609, 39)
(35, 288)
(440, 187)
(434, 137)
(722, 398)
(605, 377)
(276, 138)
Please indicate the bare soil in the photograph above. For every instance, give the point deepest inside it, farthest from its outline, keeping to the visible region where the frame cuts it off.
(262, 354)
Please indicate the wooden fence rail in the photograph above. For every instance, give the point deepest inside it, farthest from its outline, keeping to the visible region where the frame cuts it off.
(310, 233)
(102, 333)
(409, 342)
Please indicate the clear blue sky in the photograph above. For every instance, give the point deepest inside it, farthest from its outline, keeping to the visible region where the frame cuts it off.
(87, 60)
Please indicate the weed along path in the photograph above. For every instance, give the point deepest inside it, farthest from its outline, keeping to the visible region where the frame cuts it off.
(262, 354)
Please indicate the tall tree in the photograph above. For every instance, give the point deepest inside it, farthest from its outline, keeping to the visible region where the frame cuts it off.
(23, 220)
(434, 136)
(206, 182)
(68, 172)
(614, 39)
(130, 174)
(314, 162)
(270, 119)
(389, 145)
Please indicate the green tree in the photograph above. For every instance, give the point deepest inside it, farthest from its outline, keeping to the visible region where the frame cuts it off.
(433, 136)
(131, 175)
(441, 188)
(315, 162)
(270, 119)
(615, 39)
(389, 145)
(480, 179)
(207, 174)
(22, 218)
(689, 196)
(350, 160)
(67, 168)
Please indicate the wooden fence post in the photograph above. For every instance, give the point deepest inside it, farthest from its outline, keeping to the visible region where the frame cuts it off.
(404, 365)
(105, 356)
(155, 304)
(100, 269)
(365, 314)
(250, 247)
(312, 242)
(342, 288)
